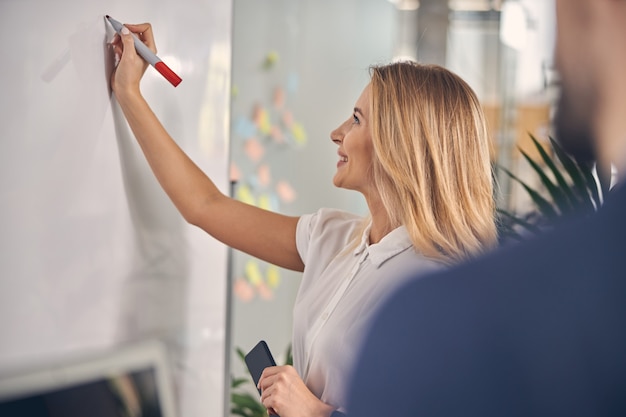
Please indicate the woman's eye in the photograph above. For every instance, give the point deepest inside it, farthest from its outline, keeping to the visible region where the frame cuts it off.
(355, 119)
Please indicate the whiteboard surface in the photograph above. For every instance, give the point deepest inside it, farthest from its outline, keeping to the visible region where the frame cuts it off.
(92, 253)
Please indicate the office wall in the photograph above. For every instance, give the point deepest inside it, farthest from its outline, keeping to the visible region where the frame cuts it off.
(92, 253)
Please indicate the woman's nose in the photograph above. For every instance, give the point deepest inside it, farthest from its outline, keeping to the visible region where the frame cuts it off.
(337, 134)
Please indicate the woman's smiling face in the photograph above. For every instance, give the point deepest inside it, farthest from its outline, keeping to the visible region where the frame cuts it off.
(354, 138)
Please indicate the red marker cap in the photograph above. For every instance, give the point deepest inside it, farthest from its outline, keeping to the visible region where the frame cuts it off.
(168, 73)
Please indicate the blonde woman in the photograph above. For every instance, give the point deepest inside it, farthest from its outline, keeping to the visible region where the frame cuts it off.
(416, 147)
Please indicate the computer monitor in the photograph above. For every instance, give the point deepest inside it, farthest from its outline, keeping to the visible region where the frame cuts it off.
(130, 381)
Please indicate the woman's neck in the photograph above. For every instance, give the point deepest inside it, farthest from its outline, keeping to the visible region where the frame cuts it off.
(381, 224)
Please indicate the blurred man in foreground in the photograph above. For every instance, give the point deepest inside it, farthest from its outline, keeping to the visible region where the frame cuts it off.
(533, 330)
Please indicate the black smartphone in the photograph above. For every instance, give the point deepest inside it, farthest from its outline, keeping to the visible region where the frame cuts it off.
(258, 359)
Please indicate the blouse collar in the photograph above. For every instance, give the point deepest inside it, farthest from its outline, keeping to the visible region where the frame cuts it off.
(390, 245)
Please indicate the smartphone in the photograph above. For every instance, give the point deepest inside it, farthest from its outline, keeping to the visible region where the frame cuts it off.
(258, 359)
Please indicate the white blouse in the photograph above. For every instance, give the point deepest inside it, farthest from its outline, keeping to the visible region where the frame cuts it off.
(339, 292)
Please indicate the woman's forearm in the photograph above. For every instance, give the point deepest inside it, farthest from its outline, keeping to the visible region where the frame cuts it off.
(261, 233)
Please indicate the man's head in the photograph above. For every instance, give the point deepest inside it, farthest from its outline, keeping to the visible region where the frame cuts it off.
(578, 98)
(590, 58)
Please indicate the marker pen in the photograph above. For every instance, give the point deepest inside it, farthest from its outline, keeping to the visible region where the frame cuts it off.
(148, 55)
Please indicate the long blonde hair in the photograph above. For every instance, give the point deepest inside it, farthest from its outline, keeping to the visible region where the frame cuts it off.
(432, 163)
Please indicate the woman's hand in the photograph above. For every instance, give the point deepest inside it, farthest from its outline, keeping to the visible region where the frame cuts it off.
(284, 393)
(131, 67)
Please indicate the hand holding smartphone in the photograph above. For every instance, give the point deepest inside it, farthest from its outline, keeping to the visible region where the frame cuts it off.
(258, 359)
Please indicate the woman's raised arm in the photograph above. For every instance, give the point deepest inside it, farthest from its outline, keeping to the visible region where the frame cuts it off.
(266, 235)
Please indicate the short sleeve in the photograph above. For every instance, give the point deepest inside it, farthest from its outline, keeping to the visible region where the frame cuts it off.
(322, 233)
(303, 234)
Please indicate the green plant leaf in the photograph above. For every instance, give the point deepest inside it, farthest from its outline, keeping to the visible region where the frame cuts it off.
(590, 182)
(241, 354)
(237, 382)
(604, 177)
(584, 192)
(289, 356)
(241, 412)
(558, 199)
(245, 401)
(587, 192)
(246, 412)
(513, 219)
(544, 206)
(570, 200)
(507, 232)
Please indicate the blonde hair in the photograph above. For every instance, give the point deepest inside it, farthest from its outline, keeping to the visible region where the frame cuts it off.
(432, 164)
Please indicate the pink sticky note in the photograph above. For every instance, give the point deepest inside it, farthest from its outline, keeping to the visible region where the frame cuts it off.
(254, 150)
(285, 192)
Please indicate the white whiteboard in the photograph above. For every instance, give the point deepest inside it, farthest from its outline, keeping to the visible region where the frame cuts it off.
(92, 253)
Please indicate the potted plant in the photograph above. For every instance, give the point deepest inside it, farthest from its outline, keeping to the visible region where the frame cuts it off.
(569, 185)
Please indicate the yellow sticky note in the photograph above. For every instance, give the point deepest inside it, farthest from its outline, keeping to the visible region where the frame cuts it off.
(244, 194)
(253, 273)
(265, 202)
(273, 276)
(299, 135)
(263, 122)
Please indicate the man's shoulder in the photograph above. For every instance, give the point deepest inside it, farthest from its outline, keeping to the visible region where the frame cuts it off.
(579, 255)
